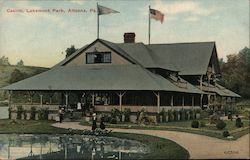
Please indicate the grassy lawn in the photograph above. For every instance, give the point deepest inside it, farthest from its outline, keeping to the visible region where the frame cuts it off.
(24, 126)
(160, 148)
(185, 126)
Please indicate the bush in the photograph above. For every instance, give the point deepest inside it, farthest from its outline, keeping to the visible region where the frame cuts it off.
(113, 120)
(105, 118)
(220, 125)
(191, 113)
(43, 114)
(195, 124)
(182, 115)
(238, 123)
(226, 134)
(170, 116)
(176, 113)
(158, 118)
(163, 115)
(33, 113)
(202, 124)
(19, 112)
(115, 113)
(127, 113)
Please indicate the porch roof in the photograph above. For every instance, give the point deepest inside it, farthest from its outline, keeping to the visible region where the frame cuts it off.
(101, 77)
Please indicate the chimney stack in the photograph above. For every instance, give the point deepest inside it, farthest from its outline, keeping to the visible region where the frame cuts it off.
(129, 37)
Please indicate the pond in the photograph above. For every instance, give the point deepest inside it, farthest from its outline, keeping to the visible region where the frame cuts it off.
(27, 146)
(4, 112)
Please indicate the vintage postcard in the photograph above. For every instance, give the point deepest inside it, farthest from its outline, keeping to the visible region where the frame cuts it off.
(123, 79)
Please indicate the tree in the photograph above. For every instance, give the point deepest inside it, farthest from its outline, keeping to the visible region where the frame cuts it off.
(20, 63)
(4, 60)
(17, 75)
(70, 50)
(236, 72)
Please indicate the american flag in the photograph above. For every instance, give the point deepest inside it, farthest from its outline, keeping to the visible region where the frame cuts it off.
(157, 15)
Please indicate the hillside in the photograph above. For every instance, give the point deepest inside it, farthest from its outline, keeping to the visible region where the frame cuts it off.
(6, 70)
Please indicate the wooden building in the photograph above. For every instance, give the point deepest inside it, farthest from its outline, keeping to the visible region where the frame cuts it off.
(130, 75)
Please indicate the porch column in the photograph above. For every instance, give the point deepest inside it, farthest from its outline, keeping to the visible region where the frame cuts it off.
(201, 100)
(201, 82)
(192, 101)
(172, 100)
(158, 101)
(183, 101)
(41, 100)
(93, 99)
(66, 99)
(120, 94)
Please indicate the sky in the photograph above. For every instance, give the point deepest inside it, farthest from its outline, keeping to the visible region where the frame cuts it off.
(41, 38)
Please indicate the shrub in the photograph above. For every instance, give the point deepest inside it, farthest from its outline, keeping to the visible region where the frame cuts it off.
(176, 113)
(113, 120)
(19, 112)
(127, 113)
(163, 115)
(238, 123)
(170, 116)
(220, 124)
(186, 114)
(115, 113)
(182, 115)
(33, 113)
(43, 114)
(195, 124)
(158, 118)
(105, 118)
(191, 113)
(202, 124)
(226, 134)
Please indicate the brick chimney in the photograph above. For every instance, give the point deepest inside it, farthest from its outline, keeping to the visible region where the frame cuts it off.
(129, 37)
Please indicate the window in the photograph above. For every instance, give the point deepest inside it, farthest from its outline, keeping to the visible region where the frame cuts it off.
(98, 57)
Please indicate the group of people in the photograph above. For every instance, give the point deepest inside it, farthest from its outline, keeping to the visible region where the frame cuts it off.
(94, 125)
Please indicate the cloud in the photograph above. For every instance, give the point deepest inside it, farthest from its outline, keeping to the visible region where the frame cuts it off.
(191, 19)
(80, 2)
(192, 7)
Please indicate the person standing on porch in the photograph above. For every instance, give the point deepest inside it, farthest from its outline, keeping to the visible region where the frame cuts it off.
(94, 126)
(60, 114)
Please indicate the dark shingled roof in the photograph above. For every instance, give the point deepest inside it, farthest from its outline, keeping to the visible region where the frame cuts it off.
(106, 77)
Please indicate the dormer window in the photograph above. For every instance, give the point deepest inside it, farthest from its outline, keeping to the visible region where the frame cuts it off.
(98, 57)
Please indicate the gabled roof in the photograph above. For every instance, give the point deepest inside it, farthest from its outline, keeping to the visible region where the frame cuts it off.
(103, 77)
(190, 58)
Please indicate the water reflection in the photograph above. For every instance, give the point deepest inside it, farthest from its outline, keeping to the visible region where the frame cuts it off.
(68, 147)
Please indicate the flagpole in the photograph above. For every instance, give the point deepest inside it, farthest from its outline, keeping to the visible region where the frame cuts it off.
(149, 25)
(97, 21)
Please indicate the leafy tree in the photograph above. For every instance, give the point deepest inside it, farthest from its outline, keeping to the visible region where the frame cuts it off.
(20, 63)
(4, 60)
(70, 50)
(236, 72)
(17, 75)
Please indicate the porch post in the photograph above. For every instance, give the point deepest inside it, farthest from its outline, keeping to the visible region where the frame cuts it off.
(120, 94)
(192, 101)
(183, 101)
(93, 99)
(66, 99)
(172, 100)
(41, 100)
(201, 100)
(158, 101)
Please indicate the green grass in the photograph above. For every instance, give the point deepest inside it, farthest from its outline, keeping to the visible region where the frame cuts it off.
(160, 148)
(29, 127)
(185, 126)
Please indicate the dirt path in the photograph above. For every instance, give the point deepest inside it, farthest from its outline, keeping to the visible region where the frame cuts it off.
(199, 146)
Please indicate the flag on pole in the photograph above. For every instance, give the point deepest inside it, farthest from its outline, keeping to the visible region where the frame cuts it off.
(157, 15)
(104, 10)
